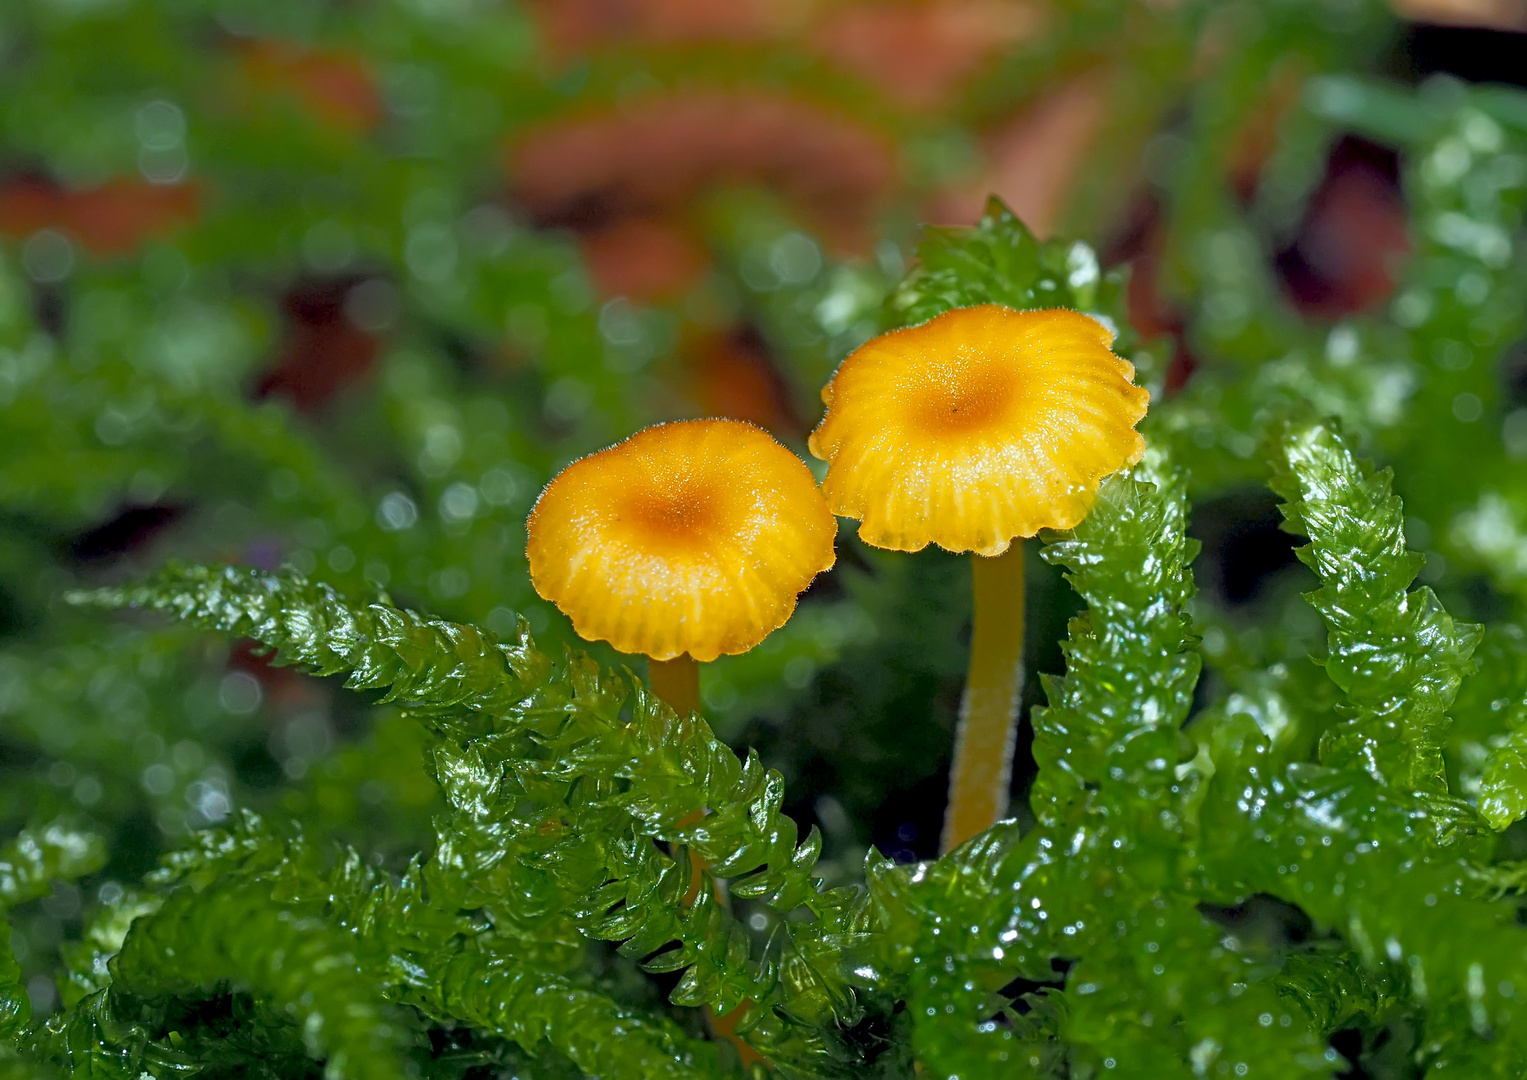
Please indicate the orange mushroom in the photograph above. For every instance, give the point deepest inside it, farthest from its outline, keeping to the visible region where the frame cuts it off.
(685, 541)
(976, 428)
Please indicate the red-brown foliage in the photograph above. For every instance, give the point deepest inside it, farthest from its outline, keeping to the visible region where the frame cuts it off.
(110, 219)
(662, 153)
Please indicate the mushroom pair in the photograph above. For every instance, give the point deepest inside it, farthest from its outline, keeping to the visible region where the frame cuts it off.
(976, 428)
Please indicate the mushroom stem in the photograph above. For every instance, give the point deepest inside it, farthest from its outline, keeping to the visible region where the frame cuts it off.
(677, 682)
(983, 742)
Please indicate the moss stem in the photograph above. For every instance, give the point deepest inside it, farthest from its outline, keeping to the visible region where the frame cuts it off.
(983, 742)
(677, 682)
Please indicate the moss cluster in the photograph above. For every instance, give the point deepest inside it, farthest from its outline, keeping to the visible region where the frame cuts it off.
(313, 785)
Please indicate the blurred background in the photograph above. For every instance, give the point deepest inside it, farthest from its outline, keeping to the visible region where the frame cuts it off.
(342, 283)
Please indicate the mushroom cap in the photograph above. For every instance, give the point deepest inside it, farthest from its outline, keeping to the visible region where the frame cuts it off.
(977, 426)
(691, 537)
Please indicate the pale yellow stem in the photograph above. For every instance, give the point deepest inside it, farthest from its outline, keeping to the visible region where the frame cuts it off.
(983, 742)
(677, 682)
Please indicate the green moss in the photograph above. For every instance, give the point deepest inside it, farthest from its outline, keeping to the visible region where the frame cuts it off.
(368, 815)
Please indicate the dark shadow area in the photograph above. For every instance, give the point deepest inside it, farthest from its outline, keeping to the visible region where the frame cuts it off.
(1475, 598)
(874, 731)
(1471, 53)
(233, 1026)
(1017, 990)
(1264, 919)
(130, 530)
(1387, 1051)
(1348, 1042)
(907, 827)
(327, 347)
(1244, 545)
(872, 1036)
(14, 616)
(1513, 372)
(50, 308)
(1344, 257)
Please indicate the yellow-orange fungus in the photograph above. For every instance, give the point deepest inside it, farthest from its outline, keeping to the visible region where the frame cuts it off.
(693, 537)
(978, 426)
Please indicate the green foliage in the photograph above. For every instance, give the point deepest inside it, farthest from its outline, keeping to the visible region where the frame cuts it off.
(1487, 741)
(538, 757)
(997, 262)
(33, 861)
(226, 941)
(1397, 656)
(1130, 671)
(427, 662)
(1000, 261)
(15, 1009)
(275, 823)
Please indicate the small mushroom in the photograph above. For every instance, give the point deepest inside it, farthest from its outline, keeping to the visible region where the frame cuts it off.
(685, 541)
(976, 428)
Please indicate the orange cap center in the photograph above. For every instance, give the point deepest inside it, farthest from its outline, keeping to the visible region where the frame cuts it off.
(962, 396)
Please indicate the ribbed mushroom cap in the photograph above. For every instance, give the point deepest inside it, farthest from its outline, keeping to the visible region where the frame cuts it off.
(978, 426)
(692, 537)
